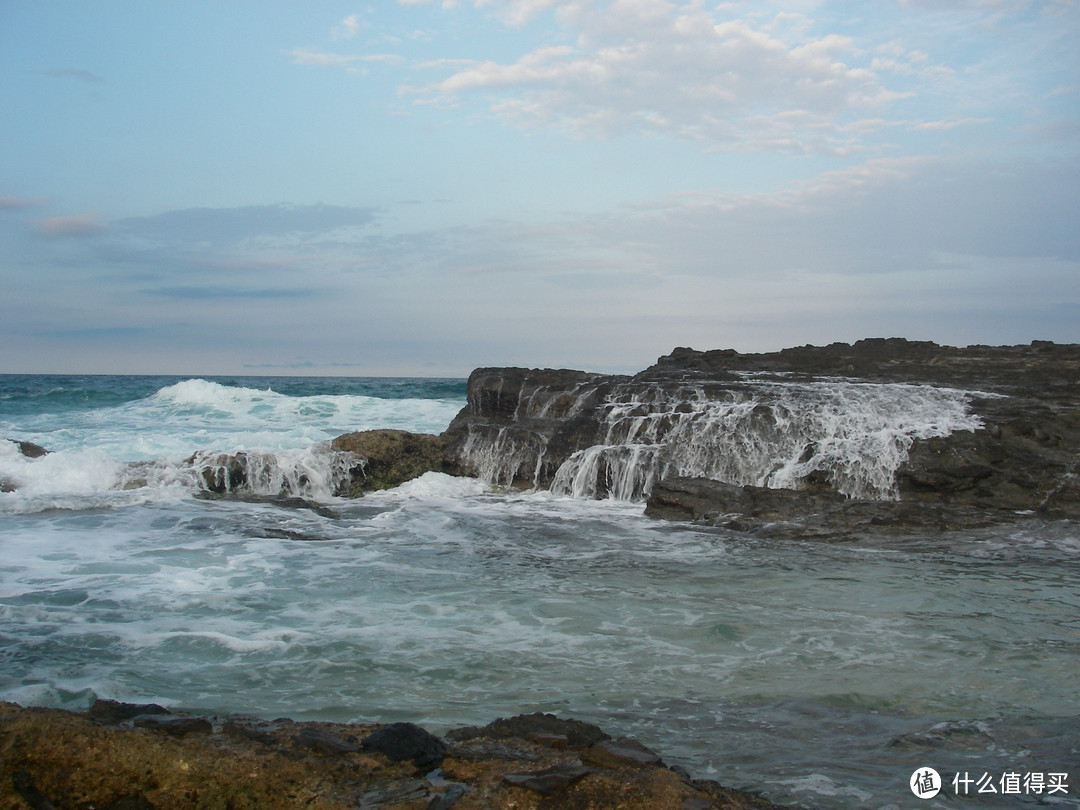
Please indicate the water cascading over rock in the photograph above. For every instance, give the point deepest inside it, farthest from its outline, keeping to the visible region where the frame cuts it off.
(881, 421)
(616, 437)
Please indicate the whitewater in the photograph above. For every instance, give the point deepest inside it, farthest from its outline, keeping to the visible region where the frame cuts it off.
(819, 675)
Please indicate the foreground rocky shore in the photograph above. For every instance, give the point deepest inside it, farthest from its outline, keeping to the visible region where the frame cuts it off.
(119, 756)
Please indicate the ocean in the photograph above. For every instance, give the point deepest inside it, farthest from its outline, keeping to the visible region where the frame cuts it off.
(817, 674)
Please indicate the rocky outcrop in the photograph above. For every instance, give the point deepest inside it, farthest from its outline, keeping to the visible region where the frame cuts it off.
(120, 757)
(29, 449)
(520, 425)
(692, 435)
(804, 515)
(389, 458)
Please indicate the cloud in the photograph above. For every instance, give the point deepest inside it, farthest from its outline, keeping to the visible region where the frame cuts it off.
(676, 69)
(227, 226)
(348, 28)
(197, 292)
(74, 73)
(20, 203)
(949, 123)
(81, 225)
(308, 56)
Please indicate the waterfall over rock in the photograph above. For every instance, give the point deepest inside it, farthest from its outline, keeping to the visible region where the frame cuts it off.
(611, 437)
(880, 420)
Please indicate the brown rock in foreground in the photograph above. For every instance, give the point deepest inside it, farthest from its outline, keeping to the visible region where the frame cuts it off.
(109, 760)
(391, 457)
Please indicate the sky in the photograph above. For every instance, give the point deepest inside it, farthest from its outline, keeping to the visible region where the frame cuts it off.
(420, 188)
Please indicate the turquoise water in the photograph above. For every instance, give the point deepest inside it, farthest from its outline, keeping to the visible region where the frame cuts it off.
(820, 675)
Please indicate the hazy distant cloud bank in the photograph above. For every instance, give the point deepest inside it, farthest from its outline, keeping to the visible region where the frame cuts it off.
(219, 226)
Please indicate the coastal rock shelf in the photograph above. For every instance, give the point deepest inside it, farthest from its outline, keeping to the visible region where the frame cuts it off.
(808, 441)
(136, 757)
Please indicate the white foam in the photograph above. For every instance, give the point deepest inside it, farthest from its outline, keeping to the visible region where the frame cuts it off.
(822, 785)
(102, 456)
(436, 485)
(765, 434)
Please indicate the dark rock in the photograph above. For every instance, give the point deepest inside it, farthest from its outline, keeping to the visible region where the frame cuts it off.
(577, 733)
(112, 712)
(796, 514)
(436, 793)
(135, 801)
(620, 753)
(29, 449)
(23, 783)
(521, 424)
(481, 748)
(324, 742)
(173, 724)
(706, 499)
(389, 792)
(556, 742)
(448, 796)
(405, 741)
(245, 731)
(220, 472)
(550, 780)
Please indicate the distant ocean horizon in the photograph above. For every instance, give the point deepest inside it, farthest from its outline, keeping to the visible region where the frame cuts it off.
(819, 675)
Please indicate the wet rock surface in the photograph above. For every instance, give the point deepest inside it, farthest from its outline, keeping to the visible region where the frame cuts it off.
(29, 449)
(521, 426)
(106, 758)
(388, 458)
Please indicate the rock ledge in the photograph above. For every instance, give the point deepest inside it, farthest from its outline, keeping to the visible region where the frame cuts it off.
(113, 757)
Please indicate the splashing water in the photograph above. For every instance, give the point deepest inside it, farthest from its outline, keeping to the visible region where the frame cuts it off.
(854, 436)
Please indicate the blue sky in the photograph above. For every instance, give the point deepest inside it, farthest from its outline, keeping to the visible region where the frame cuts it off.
(427, 187)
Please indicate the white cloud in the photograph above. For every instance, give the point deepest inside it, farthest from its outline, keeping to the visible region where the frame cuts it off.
(946, 124)
(74, 226)
(676, 69)
(306, 56)
(348, 28)
(17, 203)
(309, 56)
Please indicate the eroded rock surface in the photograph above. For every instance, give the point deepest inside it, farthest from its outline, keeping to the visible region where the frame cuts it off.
(106, 758)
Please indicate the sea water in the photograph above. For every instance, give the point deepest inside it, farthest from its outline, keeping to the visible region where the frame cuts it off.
(820, 675)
